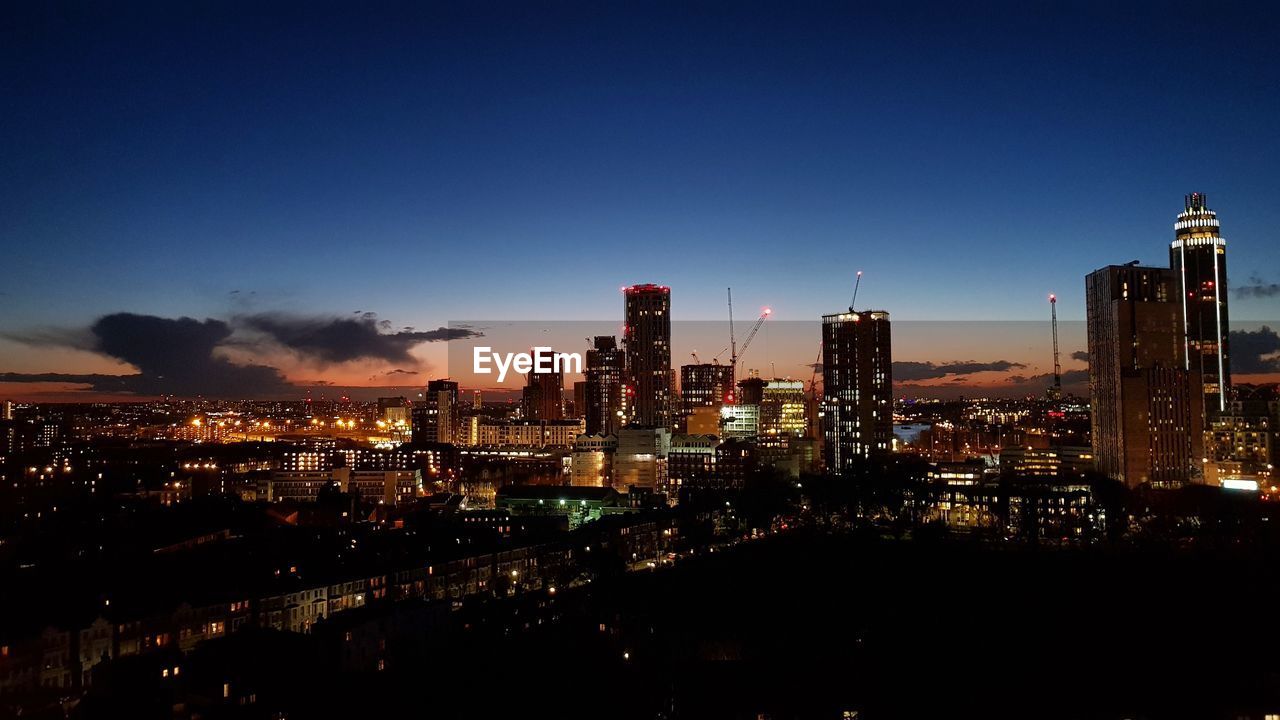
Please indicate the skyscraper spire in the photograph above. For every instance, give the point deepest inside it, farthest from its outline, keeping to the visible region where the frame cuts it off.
(1198, 256)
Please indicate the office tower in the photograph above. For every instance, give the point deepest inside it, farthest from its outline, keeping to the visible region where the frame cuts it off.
(544, 393)
(435, 419)
(647, 310)
(857, 387)
(605, 372)
(477, 400)
(784, 424)
(1147, 421)
(1198, 256)
(705, 385)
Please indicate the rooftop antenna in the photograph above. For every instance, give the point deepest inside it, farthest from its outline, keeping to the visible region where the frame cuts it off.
(856, 283)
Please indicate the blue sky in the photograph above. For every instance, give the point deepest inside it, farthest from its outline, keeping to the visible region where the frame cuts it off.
(488, 160)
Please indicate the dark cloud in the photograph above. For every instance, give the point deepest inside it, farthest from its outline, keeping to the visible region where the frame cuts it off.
(1081, 355)
(343, 339)
(173, 357)
(1258, 288)
(913, 371)
(1255, 351)
(1069, 377)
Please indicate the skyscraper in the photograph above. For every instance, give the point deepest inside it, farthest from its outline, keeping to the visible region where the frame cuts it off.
(1147, 421)
(647, 310)
(435, 419)
(605, 372)
(857, 383)
(1198, 256)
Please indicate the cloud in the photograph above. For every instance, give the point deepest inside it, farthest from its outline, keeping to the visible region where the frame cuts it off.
(173, 357)
(342, 339)
(1258, 288)
(1256, 351)
(1081, 355)
(397, 372)
(1069, 377)
(913, 371)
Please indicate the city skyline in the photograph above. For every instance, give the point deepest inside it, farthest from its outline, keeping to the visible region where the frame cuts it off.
(966, 185)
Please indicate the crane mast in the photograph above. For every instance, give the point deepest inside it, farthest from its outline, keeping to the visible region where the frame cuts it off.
(1056, 391)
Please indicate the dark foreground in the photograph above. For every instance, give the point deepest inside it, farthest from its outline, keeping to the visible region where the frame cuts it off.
(814, 626)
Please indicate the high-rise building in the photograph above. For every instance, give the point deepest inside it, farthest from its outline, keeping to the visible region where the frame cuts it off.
(705, 385)
(857, 380)
(435, 419)
(647, 310)
(1198, 256)
(1147, 421)
(606, 373)
(544, 394)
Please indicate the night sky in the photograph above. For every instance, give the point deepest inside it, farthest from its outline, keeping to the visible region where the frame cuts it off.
(322, 188)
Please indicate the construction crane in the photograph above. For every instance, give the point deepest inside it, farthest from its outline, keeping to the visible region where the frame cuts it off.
(856, 283)
(694, 355)
(813, 379)
(1055, 392)
(733, 345)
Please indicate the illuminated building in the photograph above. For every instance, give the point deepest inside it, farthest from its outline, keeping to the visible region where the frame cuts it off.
(736, 460)
(393, 410)
(388, 486)
(641, 458)
(592, 460)
(857, 382)
(435, 419)
(528, 433)
(647, 312)
(605, 373)
(783, 410)
(691, 460)
(703, 421)
(1066, 460)
(1198, 256)
(1146, 427)
(1242, 442)
(740, 421)
(704, 385)
(577, 504)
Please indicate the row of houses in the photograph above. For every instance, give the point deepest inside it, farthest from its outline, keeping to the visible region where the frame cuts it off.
(63, 658)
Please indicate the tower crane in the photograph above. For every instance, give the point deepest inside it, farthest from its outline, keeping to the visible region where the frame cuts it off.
(734, 352)
(1055, 392)
(856, 283)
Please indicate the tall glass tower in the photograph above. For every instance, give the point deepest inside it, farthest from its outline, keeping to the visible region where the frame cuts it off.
(1198, 256)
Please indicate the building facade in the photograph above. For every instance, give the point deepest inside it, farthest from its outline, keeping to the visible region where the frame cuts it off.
(857, 379)
(647, 311)
(605, 372)
(1146, 426)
